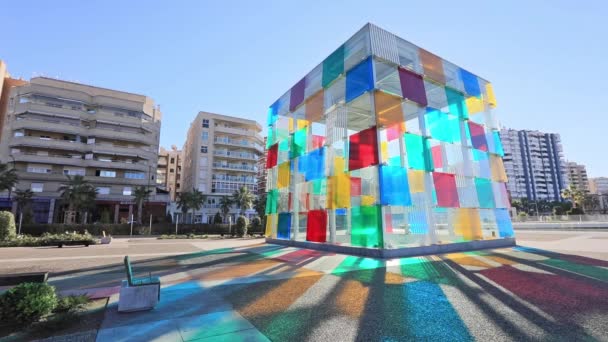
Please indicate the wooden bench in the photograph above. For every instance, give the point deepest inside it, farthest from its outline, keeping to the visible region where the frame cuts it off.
(138, 293)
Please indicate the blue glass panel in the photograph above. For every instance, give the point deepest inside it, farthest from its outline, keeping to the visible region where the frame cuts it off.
(394, 188)
(341, 211)
(471, 84)
(284, 226)
(498, 144)
(417, 222)
(484, 193)
(273, 112)
(315, 164)
(503, 220)
(359, 80)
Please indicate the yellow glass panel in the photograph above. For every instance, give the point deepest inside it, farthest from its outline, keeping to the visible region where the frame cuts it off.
(339, 165)
(432, 65)
(474, 105)
(384, 150)
(368, 200)
(416, 180)
(498, 169)
(271, 225)
(467, 223)
(314, 107)
(283, 180)
(291, 126)
(490, 94)
(302, 124)
(339, 191)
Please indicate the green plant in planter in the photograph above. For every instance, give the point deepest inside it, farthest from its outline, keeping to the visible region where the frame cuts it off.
(241, 225)
(71, 303)
(7, 225)
(27, 303)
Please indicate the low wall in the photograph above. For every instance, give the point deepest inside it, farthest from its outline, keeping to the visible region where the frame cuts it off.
(399, 252)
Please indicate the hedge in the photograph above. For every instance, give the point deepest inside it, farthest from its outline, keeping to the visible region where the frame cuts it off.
(7, 225)
(125, 229)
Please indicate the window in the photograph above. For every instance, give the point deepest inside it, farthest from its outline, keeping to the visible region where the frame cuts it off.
(171, 170)
(103, 191)
(203, 149)
(73, 172)
(205, 136)
(172, 160)
(38, 169)
(45, 137)
(205, 123)
(18, 134)
(37, 187)
(126, 191)
(105, 173)
(135, 175)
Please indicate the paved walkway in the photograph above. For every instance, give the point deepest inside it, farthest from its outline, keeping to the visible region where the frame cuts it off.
(246, 290)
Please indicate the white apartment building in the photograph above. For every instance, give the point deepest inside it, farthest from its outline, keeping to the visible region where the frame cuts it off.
(220, 155)
(598, 186)
(534, 162)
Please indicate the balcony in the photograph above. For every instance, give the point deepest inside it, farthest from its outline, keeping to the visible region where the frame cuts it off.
(239, 143)
(47, 126)
(47, 159)
(55, 144)
(235, 155)
(235, 167)
(115, 165)
(236, 130)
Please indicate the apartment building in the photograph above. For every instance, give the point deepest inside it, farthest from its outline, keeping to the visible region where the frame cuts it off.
(168, 174)
(598, 185)
(577, 176)
(220, 155)
(6, 83)
(56, 128)
(534, 162)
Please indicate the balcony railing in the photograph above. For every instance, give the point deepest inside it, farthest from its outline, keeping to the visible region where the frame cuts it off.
(235, 167)
(239, 155)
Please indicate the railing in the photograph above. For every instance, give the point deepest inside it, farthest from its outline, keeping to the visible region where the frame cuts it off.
(233, 179)
(235, 167)
(232, 142)
(240, 155)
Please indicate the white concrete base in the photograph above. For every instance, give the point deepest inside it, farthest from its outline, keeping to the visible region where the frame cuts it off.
(137, 298)
(106, 240)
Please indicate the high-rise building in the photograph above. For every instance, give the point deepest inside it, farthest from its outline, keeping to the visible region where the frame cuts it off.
(385, 145)
(577, 176)
(57, 128)
(598, 185)
(168, 174)
(534, 163)
(220, 156)
(6, 83)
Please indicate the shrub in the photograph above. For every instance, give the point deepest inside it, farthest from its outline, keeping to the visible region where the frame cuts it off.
(7, 225)
(217, 219)
(71, 303)
(27, 303)
(241, 225)
(255, 226)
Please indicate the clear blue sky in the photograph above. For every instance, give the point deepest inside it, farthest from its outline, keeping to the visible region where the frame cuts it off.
(546, 59)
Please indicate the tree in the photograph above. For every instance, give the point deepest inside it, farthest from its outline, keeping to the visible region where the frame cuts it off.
(225, 205)
(183, 203)
(576, 196)
(197, 199)
(79, 194)
(24, 199)
(140, 195)
(259, 204)
(217, 218)
(243, 199)
(8, 178)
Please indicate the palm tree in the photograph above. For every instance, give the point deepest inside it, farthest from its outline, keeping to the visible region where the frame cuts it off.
(575, 195)
(8, 178)
(225, 206)
(260, 205)
(183, 203)
(79, 194)
(140, 195)
(243, 199)
(24, 200)
(197, 199)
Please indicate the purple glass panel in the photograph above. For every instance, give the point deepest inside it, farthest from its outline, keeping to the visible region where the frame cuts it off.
(297, 94)
(412, 86)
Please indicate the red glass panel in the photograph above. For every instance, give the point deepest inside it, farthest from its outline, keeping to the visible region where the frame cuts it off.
(316, 226)
(273, 154)
(363, 149)
(445, 188)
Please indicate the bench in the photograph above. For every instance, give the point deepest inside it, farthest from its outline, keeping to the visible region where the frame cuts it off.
(138, 293)
(60, 244)
(18, 278)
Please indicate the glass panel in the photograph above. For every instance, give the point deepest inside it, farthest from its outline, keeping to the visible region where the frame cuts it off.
(356, 49)
(297, 95)
(316, 226)
(284, 226)
(418, 152)
(485, 194)
(445, 188)
(466, 223)
(388, 109)
(387, 77)
(363, 149)
(432, 65)
(284, 175)
(366, 226)
(315, 164)
(503, 220)
(359, 80)
(271, 159)
(394, 188)
(471, 84)
(298, 143)
(456, 103)
(314, 107)
(412, 87)
(408, 55)
(333, 66)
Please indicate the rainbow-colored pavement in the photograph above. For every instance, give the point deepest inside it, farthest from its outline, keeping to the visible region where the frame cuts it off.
(267, 292)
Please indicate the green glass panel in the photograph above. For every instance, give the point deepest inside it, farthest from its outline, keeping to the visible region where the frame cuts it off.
(333, 66)
(456, 103)
(271, 137)
(366, 226)
(319, 186)
(298, 143)
(272, 198)
(418, 152)
(284, 145)
(484, 193)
